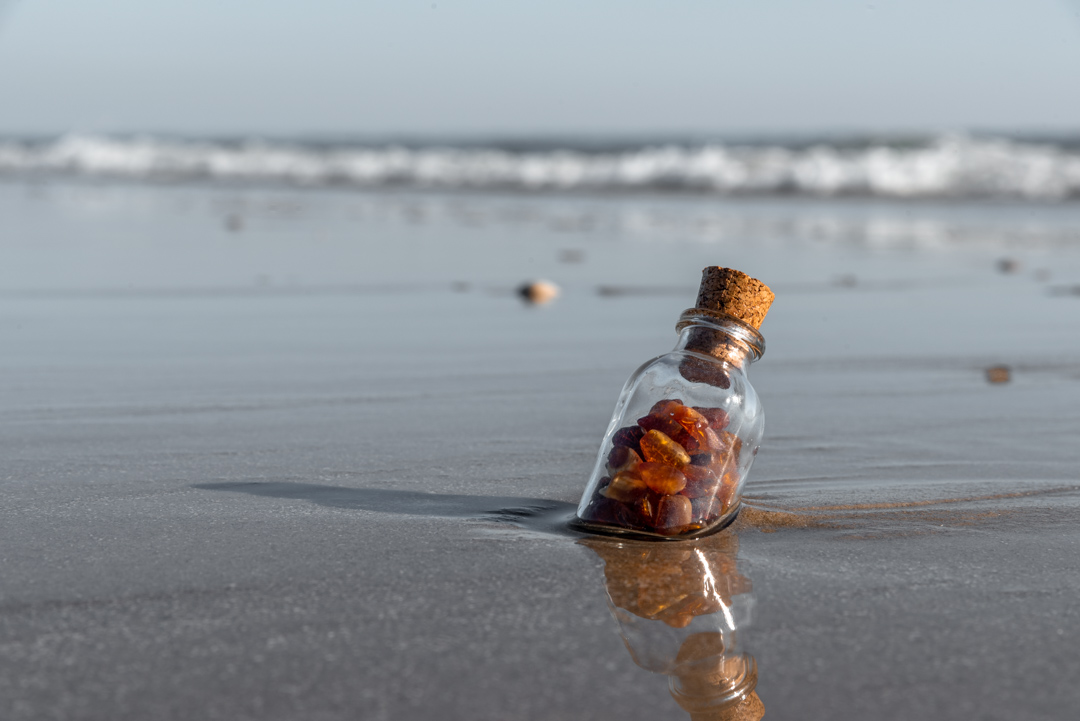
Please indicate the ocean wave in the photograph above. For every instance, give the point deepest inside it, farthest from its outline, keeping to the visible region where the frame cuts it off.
(949, 166)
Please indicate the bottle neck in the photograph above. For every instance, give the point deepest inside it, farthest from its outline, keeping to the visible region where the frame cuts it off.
(714, 334)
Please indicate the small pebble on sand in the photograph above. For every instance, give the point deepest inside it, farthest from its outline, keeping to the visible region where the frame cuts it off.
(539, 292)
(998, 374)
(1008, 265)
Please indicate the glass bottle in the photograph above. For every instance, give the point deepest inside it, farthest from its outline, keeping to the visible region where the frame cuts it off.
(687, 425)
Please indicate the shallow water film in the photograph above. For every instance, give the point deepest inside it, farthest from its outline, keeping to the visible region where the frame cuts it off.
(280, 453)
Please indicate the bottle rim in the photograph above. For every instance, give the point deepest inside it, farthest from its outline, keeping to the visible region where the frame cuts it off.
(726, 324)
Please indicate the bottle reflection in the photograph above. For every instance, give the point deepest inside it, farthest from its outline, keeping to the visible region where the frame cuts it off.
(680, 608)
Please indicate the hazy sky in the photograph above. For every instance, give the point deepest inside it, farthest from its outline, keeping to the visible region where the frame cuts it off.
(512, 66)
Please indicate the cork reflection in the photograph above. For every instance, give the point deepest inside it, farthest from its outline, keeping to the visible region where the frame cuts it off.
(682, 609)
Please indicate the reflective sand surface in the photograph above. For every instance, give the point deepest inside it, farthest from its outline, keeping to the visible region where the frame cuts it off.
(276, 454)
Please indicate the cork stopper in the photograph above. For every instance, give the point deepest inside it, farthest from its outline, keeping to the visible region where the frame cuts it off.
(727, 291)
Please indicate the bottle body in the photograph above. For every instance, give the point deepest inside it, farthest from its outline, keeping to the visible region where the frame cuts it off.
(682, 438)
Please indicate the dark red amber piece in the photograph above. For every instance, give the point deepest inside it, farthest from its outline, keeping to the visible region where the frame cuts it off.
(630, 436)
(672, 513)
(700, 481)
(699, 370)
(706, 508)
(717, 417)
(665, 424)
(622, 459)
(664, 406)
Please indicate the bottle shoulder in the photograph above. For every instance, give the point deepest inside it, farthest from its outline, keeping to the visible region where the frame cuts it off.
(693, 374)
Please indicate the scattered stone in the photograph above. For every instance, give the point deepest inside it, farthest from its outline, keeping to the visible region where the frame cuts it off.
(1009, 265)
(998, 374)
(539, 292)
(571, 255)
(234, 223)
(1065, 290)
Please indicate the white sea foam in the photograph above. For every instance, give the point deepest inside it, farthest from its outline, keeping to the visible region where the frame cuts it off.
(953, 166)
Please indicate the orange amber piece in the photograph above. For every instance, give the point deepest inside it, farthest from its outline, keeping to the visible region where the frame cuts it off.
(625, 487)
(727, 491)
(692, 422)
(661, 478)
(672, 513)
(731, 444)
(659, 448)
(664, 417)
(646, 511)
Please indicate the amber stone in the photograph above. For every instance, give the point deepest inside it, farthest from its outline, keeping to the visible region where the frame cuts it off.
(606, 511)
(618, 456)
(699, 370)
(731, 442)
(659, 448)
(599, 509)
(701, 459)
(726, 492)
(736, 445)
(672, 513)
(661, 478)
(669, 416)
(626, 487)
(665, 424)
(723, 445)
(645, 509)
(678, 434)
(717, 417)
(699, 473)
(623, 458)
(706, 508)
(630, 436)
(627, 516)
(700, 481)
(665, 406)
(692, 422)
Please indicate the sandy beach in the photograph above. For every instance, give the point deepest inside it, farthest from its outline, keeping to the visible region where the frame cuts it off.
(277, 453)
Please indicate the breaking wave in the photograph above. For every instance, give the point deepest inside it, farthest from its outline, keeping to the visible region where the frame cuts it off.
(947, 166)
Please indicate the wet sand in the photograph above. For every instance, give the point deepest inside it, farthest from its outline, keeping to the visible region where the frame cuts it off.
(316, 466)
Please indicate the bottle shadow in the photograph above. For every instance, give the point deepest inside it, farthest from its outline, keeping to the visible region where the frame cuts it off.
(538, 513)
